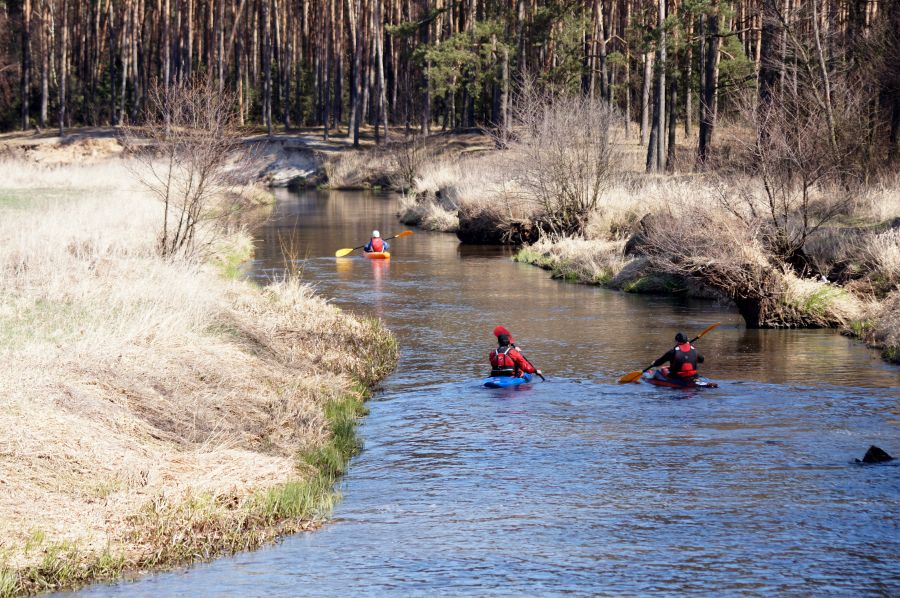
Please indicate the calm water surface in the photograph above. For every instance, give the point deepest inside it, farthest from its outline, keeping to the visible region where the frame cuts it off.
(577, 485)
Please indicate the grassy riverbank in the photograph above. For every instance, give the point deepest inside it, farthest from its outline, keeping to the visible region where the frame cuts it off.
(157, 411)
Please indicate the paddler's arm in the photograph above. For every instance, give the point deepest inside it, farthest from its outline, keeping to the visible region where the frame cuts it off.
(668, 357)
(522, 363)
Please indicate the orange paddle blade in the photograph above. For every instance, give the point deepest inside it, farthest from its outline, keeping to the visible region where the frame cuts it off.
(630, 377)
(405, 233)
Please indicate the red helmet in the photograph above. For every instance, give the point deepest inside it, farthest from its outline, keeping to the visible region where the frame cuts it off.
(501, 330)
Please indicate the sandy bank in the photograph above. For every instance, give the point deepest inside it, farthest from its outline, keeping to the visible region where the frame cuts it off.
(156, 412)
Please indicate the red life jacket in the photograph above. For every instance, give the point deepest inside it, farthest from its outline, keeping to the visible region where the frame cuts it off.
(684, 365)
(377, 244)
(501, 363)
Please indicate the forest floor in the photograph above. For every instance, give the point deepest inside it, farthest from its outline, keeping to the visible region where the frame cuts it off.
(155, 411)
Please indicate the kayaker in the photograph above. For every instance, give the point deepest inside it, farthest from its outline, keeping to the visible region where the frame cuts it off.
(507, 360)
(683, 359)
(376, 244)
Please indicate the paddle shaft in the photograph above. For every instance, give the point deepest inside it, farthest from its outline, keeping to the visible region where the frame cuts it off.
(388, 239)
(402, 234)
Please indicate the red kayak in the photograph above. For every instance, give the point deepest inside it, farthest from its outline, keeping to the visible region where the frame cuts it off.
(660, 378)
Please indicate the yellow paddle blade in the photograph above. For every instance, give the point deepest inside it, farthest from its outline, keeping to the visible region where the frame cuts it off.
(342, 252)
(630, 377)
(405, 233)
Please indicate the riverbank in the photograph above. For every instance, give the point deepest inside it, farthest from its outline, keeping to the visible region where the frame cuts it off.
(844, 274)
(157, 412)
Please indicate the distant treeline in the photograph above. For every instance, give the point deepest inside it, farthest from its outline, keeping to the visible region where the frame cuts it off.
(428, 64)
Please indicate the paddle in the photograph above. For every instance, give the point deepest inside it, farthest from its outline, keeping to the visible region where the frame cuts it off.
(343, 252)
(633, 376)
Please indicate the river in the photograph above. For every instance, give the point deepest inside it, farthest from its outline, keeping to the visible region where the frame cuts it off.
(576, 485)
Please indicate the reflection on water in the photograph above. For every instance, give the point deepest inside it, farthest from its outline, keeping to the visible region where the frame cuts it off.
(576, 485)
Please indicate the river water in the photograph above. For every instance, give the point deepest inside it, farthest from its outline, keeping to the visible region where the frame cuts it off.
(576, 485)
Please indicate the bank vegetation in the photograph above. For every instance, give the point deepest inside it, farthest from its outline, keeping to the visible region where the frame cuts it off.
(157, 408)
(794, 218)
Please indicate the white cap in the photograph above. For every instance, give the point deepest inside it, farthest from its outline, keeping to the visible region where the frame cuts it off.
(376, 234)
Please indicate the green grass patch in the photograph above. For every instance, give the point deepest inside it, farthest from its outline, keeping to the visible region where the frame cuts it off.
(892, 354)
(230, 259)
(342, 414)
(820, 302)
(62, 565)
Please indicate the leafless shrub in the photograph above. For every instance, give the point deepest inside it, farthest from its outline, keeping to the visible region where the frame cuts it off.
(186, 155)
(562, 156)
(719, 250)
(797, 180)
(407, 159)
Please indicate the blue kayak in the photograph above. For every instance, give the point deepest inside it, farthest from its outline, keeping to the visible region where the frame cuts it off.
(504, 381)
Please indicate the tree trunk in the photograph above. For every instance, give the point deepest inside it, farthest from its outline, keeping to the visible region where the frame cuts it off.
(655, 132)
(354, 12)
(167, 46)
(709, 93)
(656, 153)
(379, 58)
(670, 149)
(768, 67)
(424, 40)
(220, 45)
(25, 90)
(826, 81)
(267, 66)
(688, 74)
(45, 62)
(627, 73)
(645, 97)
(63, 67)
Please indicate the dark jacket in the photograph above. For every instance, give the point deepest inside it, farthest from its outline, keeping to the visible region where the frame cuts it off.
(682, 359)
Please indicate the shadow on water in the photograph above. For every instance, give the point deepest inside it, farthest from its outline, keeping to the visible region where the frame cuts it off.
(576, 485)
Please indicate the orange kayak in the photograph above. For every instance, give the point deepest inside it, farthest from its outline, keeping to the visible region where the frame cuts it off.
(377, 255)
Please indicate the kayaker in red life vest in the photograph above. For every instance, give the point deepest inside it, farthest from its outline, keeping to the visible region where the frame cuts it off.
(506, 359)
(682, 358)
(376, 244)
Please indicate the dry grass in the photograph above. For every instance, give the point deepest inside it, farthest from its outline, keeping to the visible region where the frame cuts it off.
(581, 260)
(357, 169)
(881, 201)
(886, 326)
(426, 214)
(882, 251)
(818, 304)
(128, 381)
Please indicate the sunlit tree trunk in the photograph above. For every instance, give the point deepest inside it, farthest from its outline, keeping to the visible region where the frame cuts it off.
(63, 66)
(25, 79)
